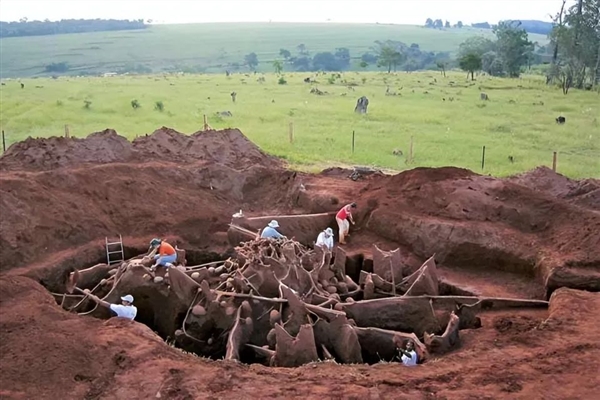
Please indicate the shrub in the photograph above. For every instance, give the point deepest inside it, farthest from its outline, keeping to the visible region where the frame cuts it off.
(87, 104)
(135, 104)
(59, 103)
(159, 106)
(282, 81)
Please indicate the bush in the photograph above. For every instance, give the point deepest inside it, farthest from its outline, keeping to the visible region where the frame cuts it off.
(59, 103)
(87, 104)
(135, 104)
(57, 67)
(159, 106)
(331, 79)
(282, 81)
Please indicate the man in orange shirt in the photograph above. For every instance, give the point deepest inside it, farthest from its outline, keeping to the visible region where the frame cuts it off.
(166, 253)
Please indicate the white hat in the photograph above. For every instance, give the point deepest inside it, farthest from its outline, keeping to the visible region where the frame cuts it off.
(274, 224)
(329, 232)
(128, 298)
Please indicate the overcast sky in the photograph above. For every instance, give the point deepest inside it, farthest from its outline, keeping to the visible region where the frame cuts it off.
(183, 11)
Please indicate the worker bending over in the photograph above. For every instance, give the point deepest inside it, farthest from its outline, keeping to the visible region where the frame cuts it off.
(270, 231)
(342, 218)
(124, 310)
(166, 253)
(325, 239)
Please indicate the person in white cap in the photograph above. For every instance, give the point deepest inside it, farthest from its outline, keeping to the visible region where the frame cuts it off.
(270, 231)
(325, 239)
(124, 310)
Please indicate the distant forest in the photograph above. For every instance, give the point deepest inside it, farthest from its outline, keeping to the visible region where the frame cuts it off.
(40, 28)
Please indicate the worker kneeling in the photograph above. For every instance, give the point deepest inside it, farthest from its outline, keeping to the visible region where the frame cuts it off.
(124, 310)
(166, 253)
(325, 239)
(270, 231)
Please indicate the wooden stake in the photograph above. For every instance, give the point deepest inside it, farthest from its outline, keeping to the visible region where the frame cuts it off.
(205, 123)
(3, 142)
(352, 142)
(410, 151)
(291, 132)
(483, 158)
(554, 162)
(67, 135)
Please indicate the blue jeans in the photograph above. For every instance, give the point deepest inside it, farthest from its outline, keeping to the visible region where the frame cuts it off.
(165, 259)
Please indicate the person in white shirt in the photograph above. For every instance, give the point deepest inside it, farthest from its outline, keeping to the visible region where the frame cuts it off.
(325, 239)
(408, 356)
(124, 310)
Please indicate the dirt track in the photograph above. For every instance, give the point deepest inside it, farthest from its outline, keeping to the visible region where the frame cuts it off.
(521, 237)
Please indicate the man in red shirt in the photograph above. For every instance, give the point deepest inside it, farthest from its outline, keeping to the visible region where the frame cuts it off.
(166, 253)
(342, 218)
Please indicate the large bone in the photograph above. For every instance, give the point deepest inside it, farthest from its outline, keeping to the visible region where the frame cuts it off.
(424, 281)
(447, 341)
(294, 352)
(339, 337)
(405, 314)
(388, 265)
(90, 277)
(240, 332)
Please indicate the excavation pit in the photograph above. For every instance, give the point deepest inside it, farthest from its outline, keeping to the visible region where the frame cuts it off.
(279, 303)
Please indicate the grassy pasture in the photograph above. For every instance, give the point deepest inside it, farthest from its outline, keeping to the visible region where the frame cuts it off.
(210, 47)
(518, 120)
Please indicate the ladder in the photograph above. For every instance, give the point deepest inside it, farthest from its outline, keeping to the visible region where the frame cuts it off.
(114, 251)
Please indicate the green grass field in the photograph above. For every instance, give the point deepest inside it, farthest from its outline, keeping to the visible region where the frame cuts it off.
(444, 132)
(210, 47)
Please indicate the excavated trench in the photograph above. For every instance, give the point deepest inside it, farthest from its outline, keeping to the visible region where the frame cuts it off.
(368, 332)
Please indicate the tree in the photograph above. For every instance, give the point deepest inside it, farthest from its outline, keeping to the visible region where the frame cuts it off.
(492, 64)
(363, 64)
(369, 58)
(438, 24)
(327, 61)
(251, 60)
(470, 63)
(278, 66)
(285, 53)
(447, 24)
(390, 57)
(301, 63)
(429, 23)
(343, 56)
(302, 49)
(459, 24)
(513, 47)
(442, 67)
(476, 44)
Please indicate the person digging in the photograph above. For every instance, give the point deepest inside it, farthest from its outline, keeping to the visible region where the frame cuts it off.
(124, 310)
(408, 356)
(270, 231)
(342, 218)
(325, 239)
(166, 253)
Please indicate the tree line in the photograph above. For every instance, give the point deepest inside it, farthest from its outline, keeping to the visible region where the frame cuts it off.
(531, 26)
(391, 55)
(25, 27)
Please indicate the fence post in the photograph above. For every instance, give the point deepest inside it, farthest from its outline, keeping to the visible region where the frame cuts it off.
(3, 142)
(410, 151)
(67, 135)
(353, 142)
(483, 158)
(205, 123)
(291, 132)
(554, 162)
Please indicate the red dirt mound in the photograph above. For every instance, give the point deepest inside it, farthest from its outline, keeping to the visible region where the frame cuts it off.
(584, 193)
(165, 183)
(227, 147)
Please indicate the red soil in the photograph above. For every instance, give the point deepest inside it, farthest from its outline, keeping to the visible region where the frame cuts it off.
(59, 198)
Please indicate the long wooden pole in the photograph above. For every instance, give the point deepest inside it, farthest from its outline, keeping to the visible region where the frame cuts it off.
(554, 162)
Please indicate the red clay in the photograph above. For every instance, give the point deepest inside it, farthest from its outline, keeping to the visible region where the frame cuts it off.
(60, 197)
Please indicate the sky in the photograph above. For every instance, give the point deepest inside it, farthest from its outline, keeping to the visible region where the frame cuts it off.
(360, 11)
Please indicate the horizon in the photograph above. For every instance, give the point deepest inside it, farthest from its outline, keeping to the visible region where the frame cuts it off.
(400, 12)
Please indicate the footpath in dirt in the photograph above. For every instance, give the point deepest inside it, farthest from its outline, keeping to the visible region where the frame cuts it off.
(536, 236)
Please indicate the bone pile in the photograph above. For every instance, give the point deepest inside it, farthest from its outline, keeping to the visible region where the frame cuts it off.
(281, 304)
